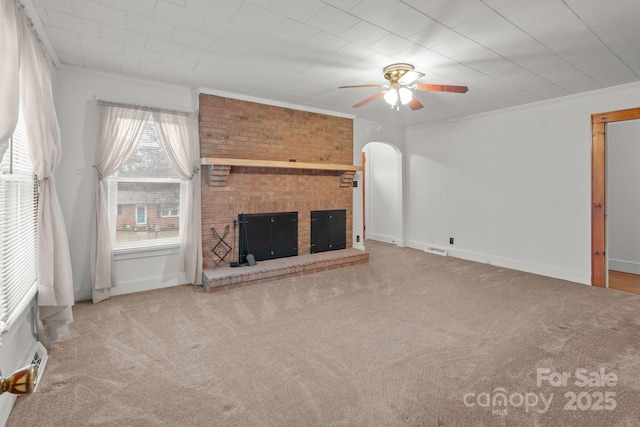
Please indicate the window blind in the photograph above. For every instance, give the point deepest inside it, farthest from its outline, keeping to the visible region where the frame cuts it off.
(18, 229)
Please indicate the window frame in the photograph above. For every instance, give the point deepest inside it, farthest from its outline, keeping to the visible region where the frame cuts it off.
(111, 187)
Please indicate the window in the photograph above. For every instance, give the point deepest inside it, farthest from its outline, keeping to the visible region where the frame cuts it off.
(18, 220)
(169, 210)
(145, 197)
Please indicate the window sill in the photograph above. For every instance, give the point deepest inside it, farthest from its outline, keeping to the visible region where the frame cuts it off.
(122, 254)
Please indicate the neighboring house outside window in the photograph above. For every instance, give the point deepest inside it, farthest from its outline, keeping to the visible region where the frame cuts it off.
(146, 196)
(138, 205)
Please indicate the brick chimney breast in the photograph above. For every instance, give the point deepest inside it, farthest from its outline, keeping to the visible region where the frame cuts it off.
(235, 129)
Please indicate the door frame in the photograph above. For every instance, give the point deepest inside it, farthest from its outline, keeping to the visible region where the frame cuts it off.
(364, 200)
(598, 190)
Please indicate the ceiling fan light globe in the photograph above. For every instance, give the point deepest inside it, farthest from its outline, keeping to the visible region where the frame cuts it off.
(405, 95)
(410, 77)
(391, 97)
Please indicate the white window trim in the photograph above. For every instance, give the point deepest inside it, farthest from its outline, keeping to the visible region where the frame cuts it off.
(122, 254)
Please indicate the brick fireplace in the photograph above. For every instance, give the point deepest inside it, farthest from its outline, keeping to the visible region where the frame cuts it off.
(260, 158)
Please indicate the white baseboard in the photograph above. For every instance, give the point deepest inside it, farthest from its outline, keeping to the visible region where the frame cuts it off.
(624, 266)
(386, 239)
(414, 244)
(359, 246)
(542, 270)
(147, 284)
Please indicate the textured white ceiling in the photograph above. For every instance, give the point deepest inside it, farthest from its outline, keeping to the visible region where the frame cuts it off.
(508, 52)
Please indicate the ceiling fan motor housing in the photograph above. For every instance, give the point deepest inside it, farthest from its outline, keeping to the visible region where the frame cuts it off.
(394, 72)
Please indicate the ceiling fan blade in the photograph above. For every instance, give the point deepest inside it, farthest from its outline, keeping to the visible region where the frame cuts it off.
(369, 99)
(410, 77)
(415, 104)
(349, 87)
(443, 88)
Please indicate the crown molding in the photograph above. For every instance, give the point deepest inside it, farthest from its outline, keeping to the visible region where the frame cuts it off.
(240, 97)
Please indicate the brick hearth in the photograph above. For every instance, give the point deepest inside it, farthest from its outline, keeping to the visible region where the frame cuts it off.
(232, 277)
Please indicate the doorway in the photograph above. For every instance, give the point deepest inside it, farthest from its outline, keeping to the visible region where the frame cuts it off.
(599, 256)
(382, 193)
(623, 205)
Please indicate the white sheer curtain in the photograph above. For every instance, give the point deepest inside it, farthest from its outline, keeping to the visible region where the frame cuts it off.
(178, 134)
(119, 129)
(9, 70)
(24, 67)
(55, 279)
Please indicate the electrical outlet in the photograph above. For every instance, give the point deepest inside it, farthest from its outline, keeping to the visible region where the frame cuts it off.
(357, 239)
(451, 240)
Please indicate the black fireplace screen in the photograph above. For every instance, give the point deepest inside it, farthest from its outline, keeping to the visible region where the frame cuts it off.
(268, 235)
(328, 230)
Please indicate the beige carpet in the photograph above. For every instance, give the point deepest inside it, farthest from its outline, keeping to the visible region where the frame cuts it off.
(409, 339)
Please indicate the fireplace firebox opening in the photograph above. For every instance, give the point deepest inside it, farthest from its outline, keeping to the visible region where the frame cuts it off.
(328, 230)
(267, 236)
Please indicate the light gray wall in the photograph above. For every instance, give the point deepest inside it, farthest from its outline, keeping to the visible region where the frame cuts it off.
(623, 196)
(77, 91)
(512, 186)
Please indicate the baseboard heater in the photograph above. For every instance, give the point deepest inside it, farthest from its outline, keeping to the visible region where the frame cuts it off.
(436, 250)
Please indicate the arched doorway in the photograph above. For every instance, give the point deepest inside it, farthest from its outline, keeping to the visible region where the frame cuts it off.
(383, 193)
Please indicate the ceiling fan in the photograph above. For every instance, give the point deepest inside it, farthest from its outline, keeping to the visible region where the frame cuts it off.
(398, 91)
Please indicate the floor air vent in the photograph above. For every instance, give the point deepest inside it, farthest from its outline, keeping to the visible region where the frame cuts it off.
(436, 251)
(38, 356)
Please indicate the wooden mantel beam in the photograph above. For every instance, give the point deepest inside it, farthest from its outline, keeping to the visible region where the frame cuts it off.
(219, 168)
(277, 164)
